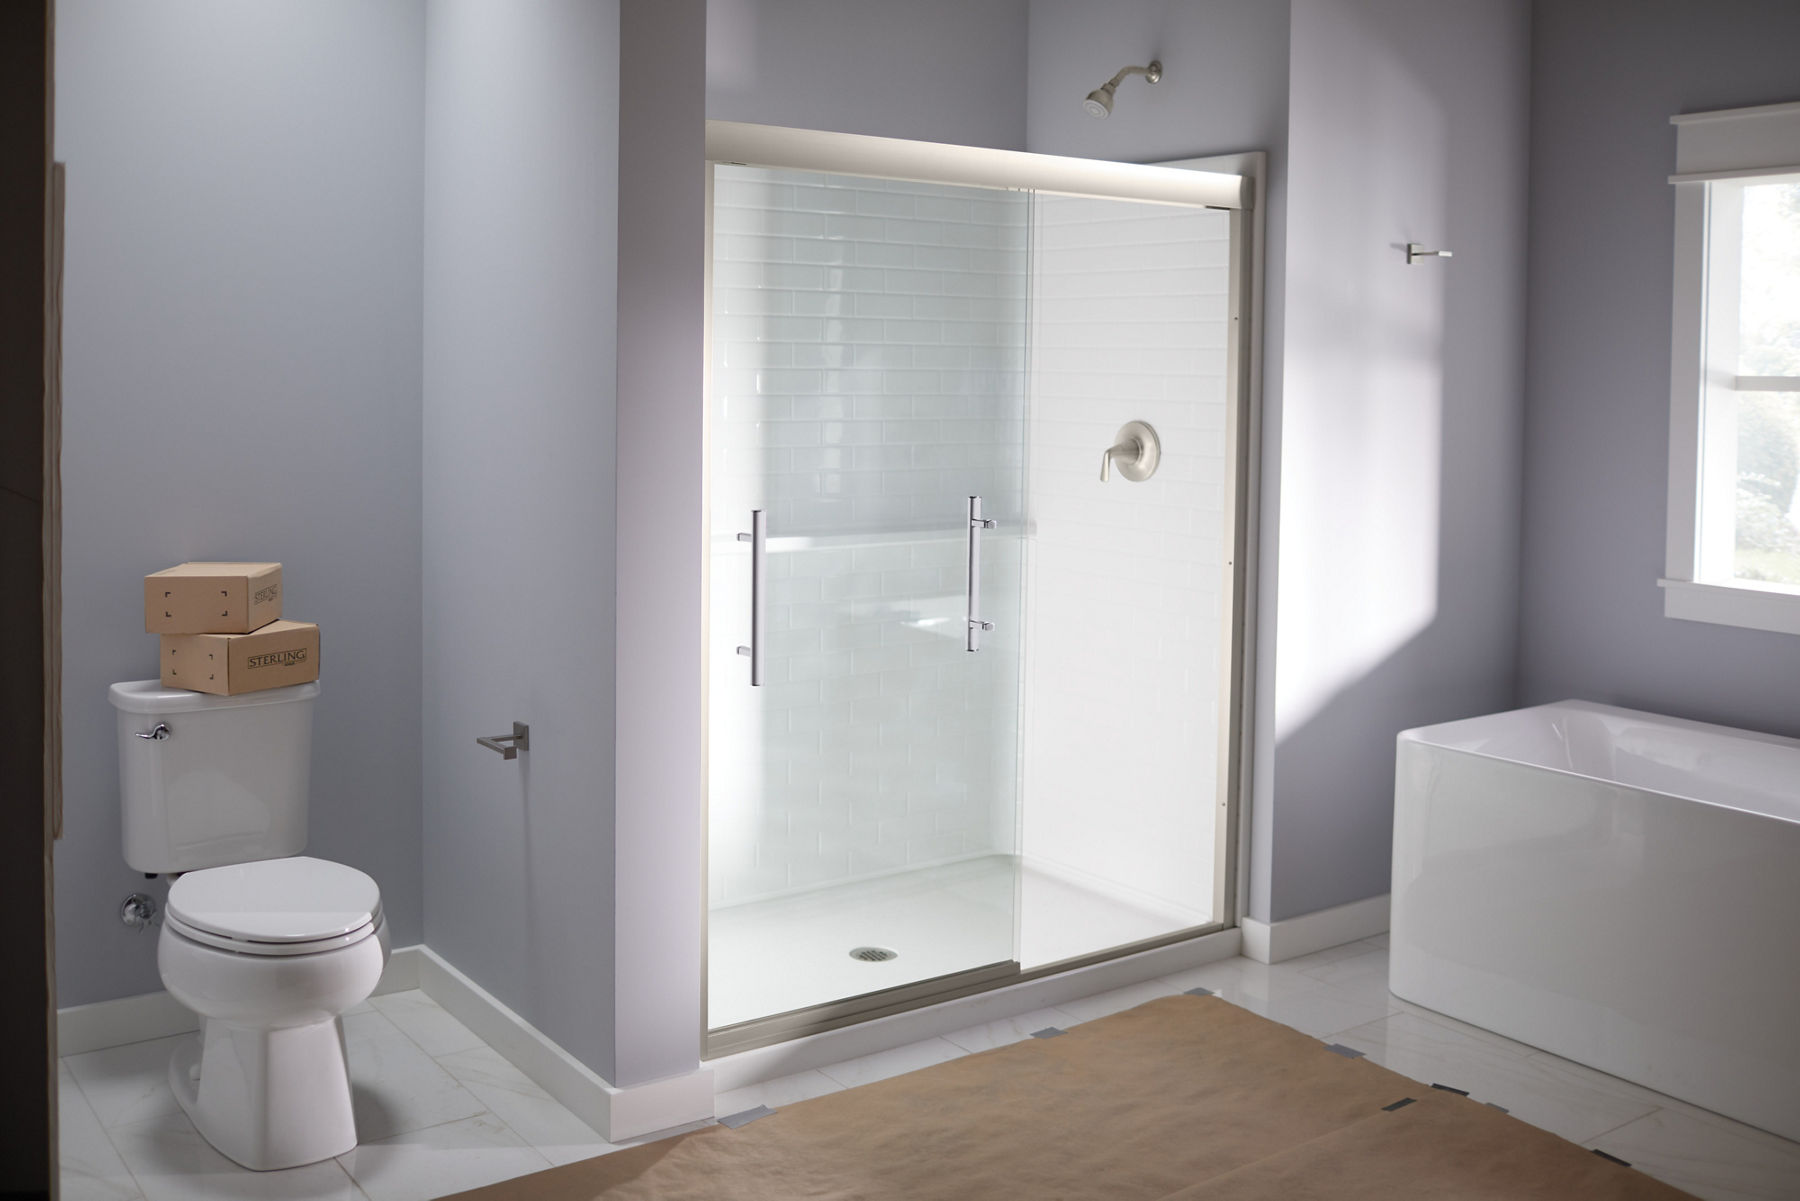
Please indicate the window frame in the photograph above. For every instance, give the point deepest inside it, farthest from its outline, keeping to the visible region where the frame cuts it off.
(1717, 153)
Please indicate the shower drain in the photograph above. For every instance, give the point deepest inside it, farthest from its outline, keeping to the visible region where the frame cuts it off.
(873, 954)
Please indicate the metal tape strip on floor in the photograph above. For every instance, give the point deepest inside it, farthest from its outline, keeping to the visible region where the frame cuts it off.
(746, 1117)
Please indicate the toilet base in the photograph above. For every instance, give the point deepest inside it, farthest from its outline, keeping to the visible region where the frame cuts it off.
(267, 1099)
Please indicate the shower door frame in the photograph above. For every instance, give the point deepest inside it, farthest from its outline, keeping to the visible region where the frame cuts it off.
(1234, 183)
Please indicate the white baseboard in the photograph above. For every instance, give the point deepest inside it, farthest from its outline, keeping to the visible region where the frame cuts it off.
(1290, 938)
(616, 1113)
(151, 1015)
(866, 1038)
(114, 1023)
(402, 971)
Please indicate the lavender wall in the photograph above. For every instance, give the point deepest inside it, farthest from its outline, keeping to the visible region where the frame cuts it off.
(1597, 422)
(658, 828)
(241, 381)
(931, 70)
(1400, 414)
(521, 119)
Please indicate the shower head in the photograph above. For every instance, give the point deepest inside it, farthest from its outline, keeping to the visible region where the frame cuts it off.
(1099, 102)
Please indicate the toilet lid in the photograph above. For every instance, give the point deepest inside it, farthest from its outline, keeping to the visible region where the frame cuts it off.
(293, 900)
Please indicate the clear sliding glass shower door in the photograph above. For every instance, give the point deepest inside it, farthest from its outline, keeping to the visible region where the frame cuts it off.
(976, 555)
(867, 381)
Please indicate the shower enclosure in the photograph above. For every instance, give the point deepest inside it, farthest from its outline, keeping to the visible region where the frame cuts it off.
(977, 432)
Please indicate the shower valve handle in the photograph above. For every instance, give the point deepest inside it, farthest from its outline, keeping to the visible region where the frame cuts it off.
(1128, 450)
(1138, 450)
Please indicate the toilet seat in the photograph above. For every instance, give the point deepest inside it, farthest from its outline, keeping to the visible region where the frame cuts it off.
(291, 906)
(245, 946)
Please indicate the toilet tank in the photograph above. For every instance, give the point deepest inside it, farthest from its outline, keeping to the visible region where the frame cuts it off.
(224, 781)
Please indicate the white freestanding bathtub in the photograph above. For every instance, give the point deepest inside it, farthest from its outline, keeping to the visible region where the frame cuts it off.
(1618, 888)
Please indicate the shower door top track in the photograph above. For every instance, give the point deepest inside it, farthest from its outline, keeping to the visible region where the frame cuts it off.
(744, 145)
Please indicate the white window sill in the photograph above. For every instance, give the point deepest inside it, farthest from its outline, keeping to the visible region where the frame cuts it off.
(1748, 605)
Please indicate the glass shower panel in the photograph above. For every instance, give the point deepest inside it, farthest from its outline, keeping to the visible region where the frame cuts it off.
(868, 357)
(1128, 591)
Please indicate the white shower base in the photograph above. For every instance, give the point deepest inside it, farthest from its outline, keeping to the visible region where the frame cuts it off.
(792, 952)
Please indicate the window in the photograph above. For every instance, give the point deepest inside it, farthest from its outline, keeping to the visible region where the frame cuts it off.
(1734, 468)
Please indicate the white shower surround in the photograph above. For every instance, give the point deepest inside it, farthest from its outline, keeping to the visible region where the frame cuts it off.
(1619, 888)
(1125, 582)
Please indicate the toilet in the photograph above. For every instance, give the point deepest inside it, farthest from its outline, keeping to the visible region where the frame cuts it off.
(267, 945)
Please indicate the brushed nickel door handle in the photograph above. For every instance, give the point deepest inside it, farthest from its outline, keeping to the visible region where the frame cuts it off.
(758, 538)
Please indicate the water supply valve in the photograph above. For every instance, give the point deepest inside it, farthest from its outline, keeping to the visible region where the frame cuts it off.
(138, 911)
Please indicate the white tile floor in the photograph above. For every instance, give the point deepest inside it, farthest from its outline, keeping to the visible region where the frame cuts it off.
(437, 1109)
(441, 1112)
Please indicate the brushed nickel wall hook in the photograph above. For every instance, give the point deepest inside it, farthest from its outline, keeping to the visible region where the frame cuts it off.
(509, 745)
(1415, 251)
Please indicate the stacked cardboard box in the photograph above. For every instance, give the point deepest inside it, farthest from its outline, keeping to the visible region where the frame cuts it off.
(222, 630)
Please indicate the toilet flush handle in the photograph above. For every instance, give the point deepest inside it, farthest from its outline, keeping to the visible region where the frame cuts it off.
(156, 733)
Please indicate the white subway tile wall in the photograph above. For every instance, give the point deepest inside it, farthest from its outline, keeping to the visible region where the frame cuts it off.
(1126, 580)
(869, 374)
(867, 378)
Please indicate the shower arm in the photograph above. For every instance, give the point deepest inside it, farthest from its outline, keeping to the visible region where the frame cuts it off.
(1152, 73)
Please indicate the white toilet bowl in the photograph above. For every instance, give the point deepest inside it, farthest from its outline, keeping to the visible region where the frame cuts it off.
(270, 953)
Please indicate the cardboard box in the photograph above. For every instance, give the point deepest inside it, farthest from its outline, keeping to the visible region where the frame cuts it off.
(279, 654)
(212, 598)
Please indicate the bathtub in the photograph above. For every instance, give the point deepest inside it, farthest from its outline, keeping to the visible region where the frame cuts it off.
(1618, 888)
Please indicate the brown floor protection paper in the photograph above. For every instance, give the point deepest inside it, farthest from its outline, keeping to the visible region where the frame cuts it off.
(1185, 1097)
